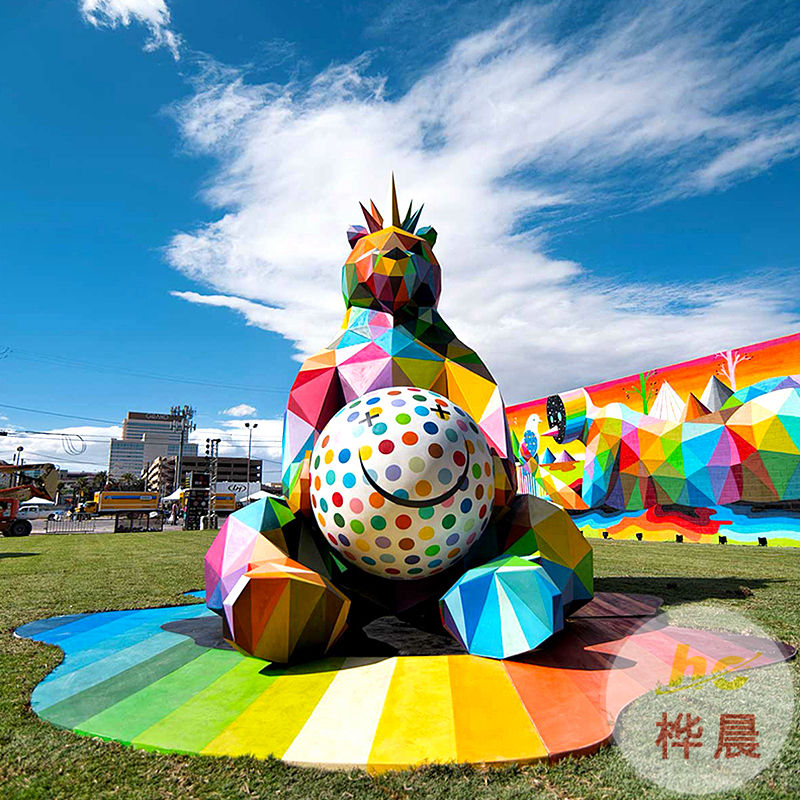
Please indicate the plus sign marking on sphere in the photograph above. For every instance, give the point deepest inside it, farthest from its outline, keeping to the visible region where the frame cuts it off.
(369, 416)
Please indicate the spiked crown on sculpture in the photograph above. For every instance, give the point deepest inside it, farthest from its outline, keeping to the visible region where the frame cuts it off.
(391, 268)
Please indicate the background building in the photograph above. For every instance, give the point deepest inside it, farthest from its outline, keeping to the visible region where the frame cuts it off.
(160, 474)
(145, 437)
(70, 483)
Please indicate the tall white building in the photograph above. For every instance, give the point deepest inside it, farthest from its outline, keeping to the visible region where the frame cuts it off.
(145, 437)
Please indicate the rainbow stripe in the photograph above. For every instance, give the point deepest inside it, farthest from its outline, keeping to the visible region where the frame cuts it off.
(127, 679)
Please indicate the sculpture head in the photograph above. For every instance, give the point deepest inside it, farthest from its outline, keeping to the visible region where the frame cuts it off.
(391, 268)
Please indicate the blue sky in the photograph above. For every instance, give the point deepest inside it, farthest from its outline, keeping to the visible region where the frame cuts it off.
(614, 187)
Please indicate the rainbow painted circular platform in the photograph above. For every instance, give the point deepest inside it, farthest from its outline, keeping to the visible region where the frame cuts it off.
(157, 679)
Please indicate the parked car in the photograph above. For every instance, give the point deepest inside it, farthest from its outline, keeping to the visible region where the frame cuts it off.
(36, 511)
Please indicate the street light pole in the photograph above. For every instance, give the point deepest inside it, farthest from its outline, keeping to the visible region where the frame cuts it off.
(185, 416)
(250, 430)
(18, 462)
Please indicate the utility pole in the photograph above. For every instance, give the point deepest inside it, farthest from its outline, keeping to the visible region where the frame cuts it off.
(250, 429)
(185, 426)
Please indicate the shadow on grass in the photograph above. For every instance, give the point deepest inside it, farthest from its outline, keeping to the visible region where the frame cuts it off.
(388, 636)
(679, 589)
(17, 555)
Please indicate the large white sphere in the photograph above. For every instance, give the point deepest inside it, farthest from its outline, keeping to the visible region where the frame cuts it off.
(402, 482)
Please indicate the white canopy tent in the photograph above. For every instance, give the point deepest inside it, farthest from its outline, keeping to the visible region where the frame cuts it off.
(38, 501)
(176, 495)
(259, 495)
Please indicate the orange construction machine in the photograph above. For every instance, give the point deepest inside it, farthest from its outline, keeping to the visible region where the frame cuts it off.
(19, 483)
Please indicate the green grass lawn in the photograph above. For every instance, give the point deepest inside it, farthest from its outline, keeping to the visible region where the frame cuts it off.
(42, 576)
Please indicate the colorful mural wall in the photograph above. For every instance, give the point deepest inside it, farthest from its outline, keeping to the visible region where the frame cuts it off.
(706, 450)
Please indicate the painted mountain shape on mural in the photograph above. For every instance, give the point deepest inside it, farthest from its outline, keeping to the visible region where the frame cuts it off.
(693, 409)
(547, 457)
(564, 458)
(715, 394)
(668, 404)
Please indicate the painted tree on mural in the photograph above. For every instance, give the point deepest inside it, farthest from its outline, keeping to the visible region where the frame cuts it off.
(646, 389)
(731, 358)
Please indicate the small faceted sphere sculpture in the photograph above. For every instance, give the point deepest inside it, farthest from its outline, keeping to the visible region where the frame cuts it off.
(402, 482)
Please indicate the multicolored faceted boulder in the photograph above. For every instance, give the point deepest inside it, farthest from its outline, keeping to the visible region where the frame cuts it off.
(503, 609)
(282, 611)
(251, 536)
(273, 607)
(516, 602)
(540, 529)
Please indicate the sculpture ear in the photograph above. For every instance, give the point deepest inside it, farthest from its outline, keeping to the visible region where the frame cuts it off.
(428, 234)
(354, 233)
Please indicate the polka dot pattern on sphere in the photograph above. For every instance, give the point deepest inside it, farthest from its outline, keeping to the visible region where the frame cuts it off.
(412, 497)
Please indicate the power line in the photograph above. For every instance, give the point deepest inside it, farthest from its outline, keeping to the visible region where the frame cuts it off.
(56, 414)
(98, 439)
(62, 457)
(32, 434)
(107, 421)
(61, 361)
(68, 459)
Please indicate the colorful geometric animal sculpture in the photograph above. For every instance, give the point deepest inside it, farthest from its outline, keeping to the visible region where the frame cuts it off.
(392, 335)
(385, 512)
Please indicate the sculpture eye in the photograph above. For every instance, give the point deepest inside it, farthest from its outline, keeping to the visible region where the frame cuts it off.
(396, 253)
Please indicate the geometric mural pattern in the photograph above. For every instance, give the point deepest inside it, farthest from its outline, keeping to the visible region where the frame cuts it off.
(745, 451)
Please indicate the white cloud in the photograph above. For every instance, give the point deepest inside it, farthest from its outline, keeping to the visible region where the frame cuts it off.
(514, 121)
(241, 410)
(153, 14)
(77, 447)
(749, 157)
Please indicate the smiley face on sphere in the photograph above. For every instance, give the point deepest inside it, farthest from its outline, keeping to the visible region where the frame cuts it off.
(402, 482)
